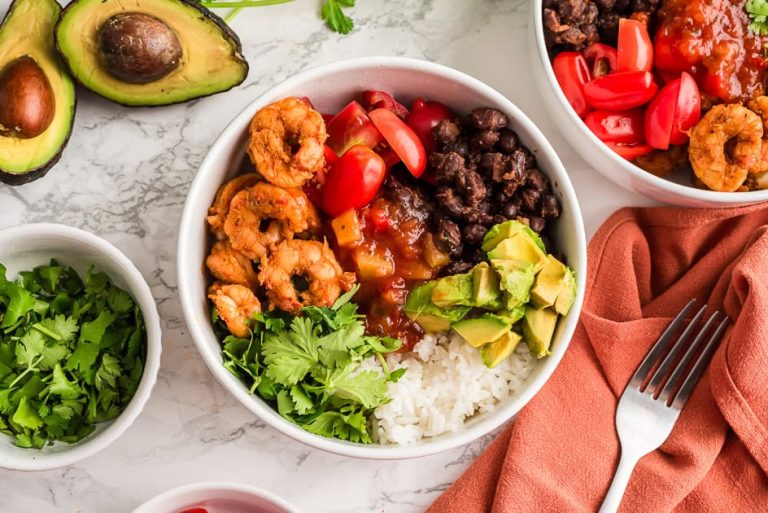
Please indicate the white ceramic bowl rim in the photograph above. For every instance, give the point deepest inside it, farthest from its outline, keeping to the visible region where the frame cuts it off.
(213, 487)
(211, 355)
(689, 191)
(36, 460)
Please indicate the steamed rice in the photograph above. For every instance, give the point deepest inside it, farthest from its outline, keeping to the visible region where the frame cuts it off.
(445, 383)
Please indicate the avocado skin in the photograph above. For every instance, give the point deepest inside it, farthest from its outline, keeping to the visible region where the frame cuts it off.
(16, 179)
(205, 13)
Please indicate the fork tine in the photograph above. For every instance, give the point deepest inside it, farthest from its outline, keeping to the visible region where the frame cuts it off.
(660, 346)
(663, 368)
(698, 369)
(682, 366)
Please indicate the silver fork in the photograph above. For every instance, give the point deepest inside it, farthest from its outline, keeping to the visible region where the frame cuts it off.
(651, 403)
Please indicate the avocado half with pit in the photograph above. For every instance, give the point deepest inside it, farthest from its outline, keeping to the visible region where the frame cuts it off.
(149, 52)
(37, 95)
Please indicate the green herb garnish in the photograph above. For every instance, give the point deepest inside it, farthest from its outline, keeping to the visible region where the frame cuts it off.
(334, 16)
(758, 13)
(308, 367)
(71, 353)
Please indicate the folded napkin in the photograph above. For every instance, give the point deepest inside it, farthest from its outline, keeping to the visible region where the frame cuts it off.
(562, 450)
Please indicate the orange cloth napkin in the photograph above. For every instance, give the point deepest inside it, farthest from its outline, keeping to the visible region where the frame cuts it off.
(562, 450)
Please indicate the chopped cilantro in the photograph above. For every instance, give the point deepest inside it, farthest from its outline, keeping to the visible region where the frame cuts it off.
(758, 13)
(334, 16)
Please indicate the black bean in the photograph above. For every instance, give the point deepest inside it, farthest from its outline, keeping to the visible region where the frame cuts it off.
(509, 210)
(457, 267)
(447, 166)
(494, 164)
(446, 132)
(461, 147)
(538, 181)
(530, 199)
(485, 118)
(536, 223)
(474, 233)
(483, 140)
(508, 141)
(448, 237)
(472, 187)
(550, 207)
(449, 202)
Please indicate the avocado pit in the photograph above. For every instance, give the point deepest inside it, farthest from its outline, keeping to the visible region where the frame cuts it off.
(138, 48)
(27, 102)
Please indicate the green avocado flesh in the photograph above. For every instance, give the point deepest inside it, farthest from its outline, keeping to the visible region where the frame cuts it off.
(27, 32)
(210, 62)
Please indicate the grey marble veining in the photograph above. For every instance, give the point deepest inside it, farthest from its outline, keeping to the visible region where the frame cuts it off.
(125, 175)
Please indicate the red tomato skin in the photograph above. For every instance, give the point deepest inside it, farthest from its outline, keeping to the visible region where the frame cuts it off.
(620, 91)
(688, 110)
(660, 116)
(424, 117)
(617, 127)
(630, 152)
(598, 55)
(350, 127)
(635, 49)
(195, 510)
(353, 181)
(572, 73)
(383, 100)
(402, 139)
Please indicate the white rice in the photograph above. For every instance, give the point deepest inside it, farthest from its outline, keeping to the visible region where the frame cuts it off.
(445, 383)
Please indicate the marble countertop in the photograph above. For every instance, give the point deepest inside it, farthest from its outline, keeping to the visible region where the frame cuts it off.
(125, 175)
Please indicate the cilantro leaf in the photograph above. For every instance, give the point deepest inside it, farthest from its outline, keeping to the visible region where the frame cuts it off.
(63, 387)
(26, 416)
(758, 13)
(288, 361)
(20, 303)
(334, 16)
(369, 388)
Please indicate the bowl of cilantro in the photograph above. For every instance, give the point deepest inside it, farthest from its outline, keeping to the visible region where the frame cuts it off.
(79, 345)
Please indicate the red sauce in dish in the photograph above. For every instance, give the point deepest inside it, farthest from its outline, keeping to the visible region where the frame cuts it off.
(711, 40)
(397, 234)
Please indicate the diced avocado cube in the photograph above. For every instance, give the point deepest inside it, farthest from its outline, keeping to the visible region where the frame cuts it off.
(567, 294)
(498, 350)
(520, 247)
(538, 329)
(516, 280)
(419, 308)
(513, 315)
(549, 282)
(453, 290)
(481, 330)
(507, 230)
(485, 284)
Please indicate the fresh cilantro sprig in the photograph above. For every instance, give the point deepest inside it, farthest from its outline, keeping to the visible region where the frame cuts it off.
(308, 367)
(758, 13)
(333, 14)
(71, 353)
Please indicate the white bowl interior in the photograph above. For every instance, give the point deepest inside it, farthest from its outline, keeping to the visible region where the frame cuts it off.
(675, 189)
(330, 88)
(25, 247)
(217, 498)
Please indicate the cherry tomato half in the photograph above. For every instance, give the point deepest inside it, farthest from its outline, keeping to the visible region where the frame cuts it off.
(601, 59)
(674, 111)
(382, 100)
(350, 127)
(353, 180)
(424, 117)
(630, 152)
(572, 74)
(617, 127)
(667, 54)
(402, 139)
(620, 91)
(635, 49)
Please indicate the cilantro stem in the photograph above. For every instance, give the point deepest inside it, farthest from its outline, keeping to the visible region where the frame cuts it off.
(221, 4)
(45, 331)
(31, 368)
(383, 363)
(231, 14)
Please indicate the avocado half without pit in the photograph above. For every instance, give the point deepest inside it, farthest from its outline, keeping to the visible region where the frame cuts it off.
(37, 96)
(149, 52)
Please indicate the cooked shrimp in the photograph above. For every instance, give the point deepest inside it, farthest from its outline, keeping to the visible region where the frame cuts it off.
(237, 305)
(231, 266)
(261, 216)
(312, 260)
(286, 142)
(760, 107)
(217, 214)
(661, 162)
(725, 146)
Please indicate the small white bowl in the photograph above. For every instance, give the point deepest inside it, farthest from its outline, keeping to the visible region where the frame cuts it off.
(27, 246)
(217, 498)
(675, 189)
(330, 87)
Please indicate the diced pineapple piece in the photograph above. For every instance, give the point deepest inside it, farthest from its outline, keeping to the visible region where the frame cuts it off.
(347, 229)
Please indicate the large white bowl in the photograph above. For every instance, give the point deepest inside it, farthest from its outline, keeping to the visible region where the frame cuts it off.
(675, 189)
(27, 246)
(238, 498)
(330, 87)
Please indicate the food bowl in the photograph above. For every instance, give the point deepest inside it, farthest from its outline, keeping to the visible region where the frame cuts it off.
(224, 497)
(675, 189)
(329, 88)
(24, 247)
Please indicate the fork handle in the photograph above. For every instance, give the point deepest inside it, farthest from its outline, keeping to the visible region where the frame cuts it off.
(619, 484)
